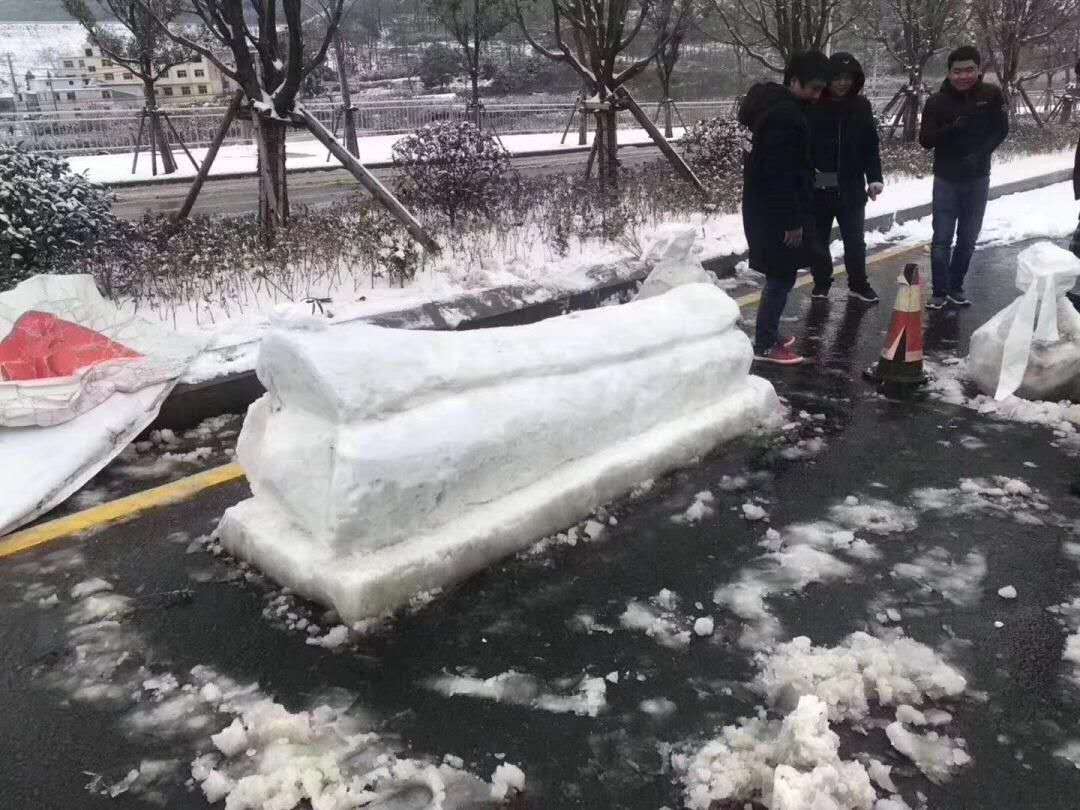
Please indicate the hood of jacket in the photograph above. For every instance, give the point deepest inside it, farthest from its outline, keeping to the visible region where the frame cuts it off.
(842, 63)
(762, 99)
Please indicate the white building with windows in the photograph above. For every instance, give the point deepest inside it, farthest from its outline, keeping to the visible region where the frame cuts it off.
(91, 80)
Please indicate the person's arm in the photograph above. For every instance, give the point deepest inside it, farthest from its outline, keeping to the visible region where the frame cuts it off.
(872, 147)
(999, 130)
(934, 131)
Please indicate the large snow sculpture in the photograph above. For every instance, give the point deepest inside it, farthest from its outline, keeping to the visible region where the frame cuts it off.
(1032, 347)
(386, 463)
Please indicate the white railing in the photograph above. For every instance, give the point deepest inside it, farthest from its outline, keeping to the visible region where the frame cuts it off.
(110, 131)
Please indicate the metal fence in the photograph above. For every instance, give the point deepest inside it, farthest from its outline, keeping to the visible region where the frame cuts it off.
(115, 131)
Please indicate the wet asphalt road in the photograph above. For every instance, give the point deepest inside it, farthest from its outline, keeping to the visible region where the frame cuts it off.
(515, 616)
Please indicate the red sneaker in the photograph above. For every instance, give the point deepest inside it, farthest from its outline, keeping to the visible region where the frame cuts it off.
(786, 342)
(781, 355)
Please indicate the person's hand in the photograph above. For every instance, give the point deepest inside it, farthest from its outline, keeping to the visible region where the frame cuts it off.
(873, 191)
(793, 238)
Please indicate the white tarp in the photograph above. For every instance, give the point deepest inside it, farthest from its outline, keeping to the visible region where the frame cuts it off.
(386, 462)
(1032, 347)
(57, 432)
(673, 254)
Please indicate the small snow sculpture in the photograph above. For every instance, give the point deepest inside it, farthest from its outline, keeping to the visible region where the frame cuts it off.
(674, 261)
(1032, 347)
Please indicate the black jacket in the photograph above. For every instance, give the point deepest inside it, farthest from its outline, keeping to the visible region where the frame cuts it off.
(777, 178)
(845, 136)
(964, 129)
(1076, 173)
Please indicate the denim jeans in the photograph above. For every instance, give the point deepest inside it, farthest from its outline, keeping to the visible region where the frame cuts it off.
(959, 206)
(771, 307)
(852, 220)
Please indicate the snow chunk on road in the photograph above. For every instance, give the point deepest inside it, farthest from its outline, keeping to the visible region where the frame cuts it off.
(874, 515)
(792, 764)
(520, 689)
(1008, 592)
(704, 626)
(864, 668)
(658, 621)
(753, 512)
(507, 780)
(701, 508)
(959, 582)
(336, 637)
(936, 755)
(232, 739)
(89, 587)
(658, 707)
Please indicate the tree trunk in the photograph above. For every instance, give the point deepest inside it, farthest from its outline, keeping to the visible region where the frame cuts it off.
(911, 109)
(273, 184)
(607, 150)
(346, 97)
(158, 136)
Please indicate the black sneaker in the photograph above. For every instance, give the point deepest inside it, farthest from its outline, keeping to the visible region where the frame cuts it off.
(958, 300)
(865, 294)
(821, 292)
(937, 302)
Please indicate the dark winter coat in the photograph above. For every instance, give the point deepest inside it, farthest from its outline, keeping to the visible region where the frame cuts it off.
(777, 180)
(1076, 173)
(845, 136)
(964, 129)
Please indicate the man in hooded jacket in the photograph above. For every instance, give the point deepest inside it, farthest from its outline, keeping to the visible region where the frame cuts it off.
(847, 171)
(777, 203)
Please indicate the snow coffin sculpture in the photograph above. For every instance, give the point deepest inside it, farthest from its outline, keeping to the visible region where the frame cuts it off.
(1032, 347)
(386, 463)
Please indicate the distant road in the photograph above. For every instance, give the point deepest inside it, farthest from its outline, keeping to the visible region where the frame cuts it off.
(238, 196)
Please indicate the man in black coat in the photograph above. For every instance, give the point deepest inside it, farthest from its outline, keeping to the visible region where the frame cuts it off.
(778, 192)
(847, 171)
(963, 123)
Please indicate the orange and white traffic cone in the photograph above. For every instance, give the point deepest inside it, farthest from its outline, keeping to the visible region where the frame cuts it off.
(900, 369)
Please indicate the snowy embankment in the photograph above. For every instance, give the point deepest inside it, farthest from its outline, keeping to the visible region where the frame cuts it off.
(390, 463)
(242, 159)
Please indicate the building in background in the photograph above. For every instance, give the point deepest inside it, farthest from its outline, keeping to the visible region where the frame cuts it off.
(90, 80)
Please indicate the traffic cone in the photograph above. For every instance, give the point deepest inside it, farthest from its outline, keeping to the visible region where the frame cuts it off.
(900, 369)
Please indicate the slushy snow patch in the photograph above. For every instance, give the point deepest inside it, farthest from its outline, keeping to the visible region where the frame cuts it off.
(959, 581)
(658, 707)
(89, 587)
(520, 689)
(938, 756)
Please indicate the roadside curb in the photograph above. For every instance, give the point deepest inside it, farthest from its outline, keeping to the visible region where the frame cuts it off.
(514, 305)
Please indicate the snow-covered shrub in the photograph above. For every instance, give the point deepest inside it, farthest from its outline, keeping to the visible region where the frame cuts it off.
(452, 167)
(438, 65)
(47, 214)
(713, 148)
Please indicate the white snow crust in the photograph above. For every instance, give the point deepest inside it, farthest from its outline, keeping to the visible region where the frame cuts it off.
(385, 462)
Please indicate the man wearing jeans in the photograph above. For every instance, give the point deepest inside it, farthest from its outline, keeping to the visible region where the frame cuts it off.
(777, 202)
(963, 123)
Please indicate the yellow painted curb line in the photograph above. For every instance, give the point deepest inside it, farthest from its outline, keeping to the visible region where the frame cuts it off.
(889, 253)
(120, 510)
(124, 509)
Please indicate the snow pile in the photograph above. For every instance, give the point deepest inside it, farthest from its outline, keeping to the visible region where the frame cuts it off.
(1032, 347)
(862, 669)
(389, 462)
(588, 698)
(507, 780)
(674, 260)
(789, 764)
(793, 763)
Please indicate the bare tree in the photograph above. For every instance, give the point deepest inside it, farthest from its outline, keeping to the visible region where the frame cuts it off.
(136, 42)
(671, 20)
(601, 32)
(913, 32)
(473, 24)
(269, 61)
(1011, 29)
(771, 31)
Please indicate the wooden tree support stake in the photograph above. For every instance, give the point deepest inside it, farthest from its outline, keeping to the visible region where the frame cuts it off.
(628, 102)
(211, 153)
(369, 181)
